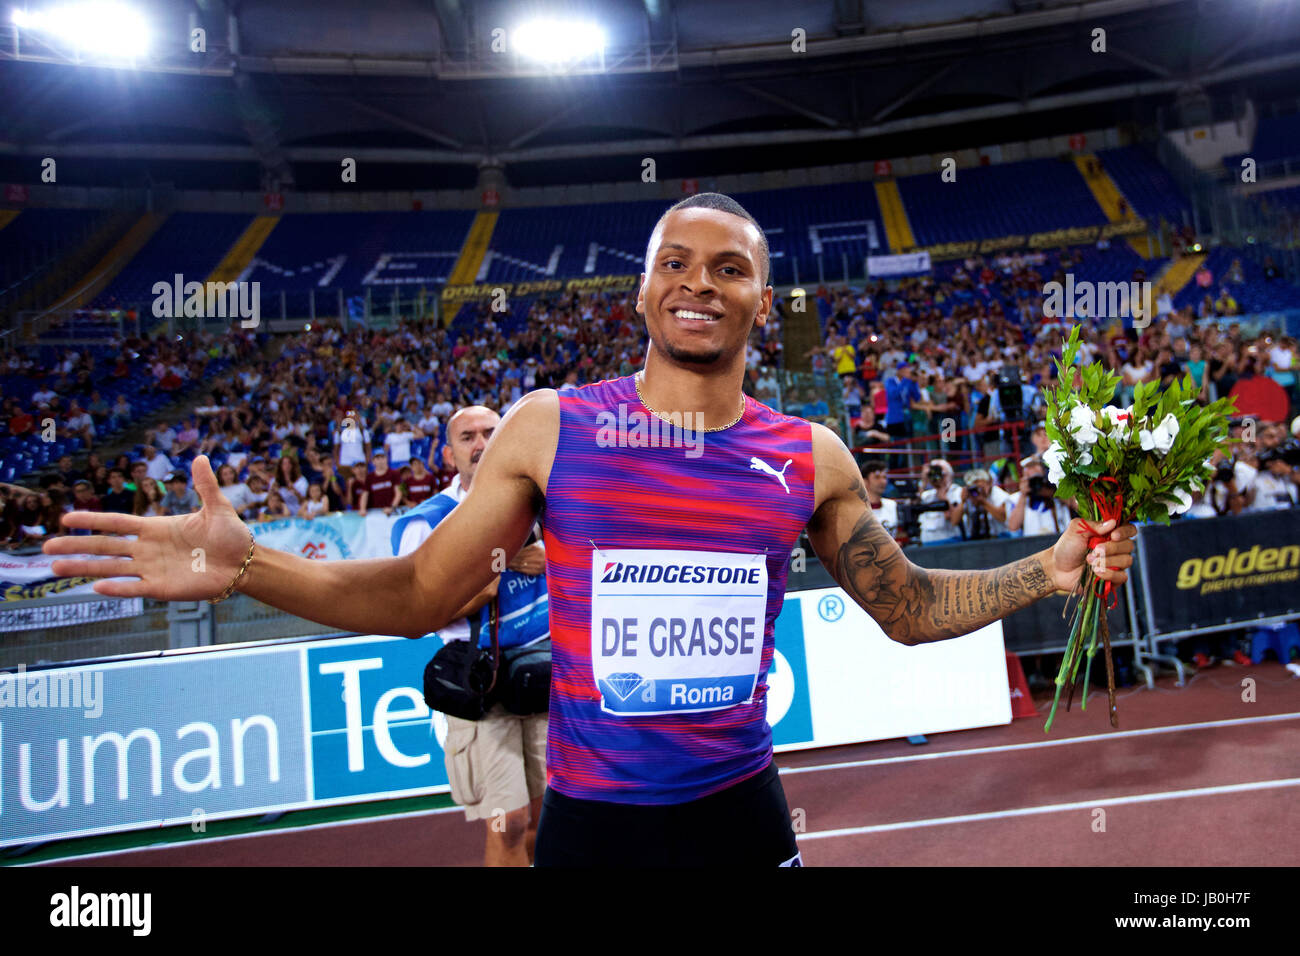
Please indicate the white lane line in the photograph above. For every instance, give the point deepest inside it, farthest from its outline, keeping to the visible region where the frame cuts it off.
(1005, 748)
(274, 831)
(785, 771)
(1055, 808)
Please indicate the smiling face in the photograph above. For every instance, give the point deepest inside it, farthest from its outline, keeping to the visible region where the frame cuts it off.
(704, 288)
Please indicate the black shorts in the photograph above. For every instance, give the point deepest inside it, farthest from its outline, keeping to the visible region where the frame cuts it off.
(747, 824)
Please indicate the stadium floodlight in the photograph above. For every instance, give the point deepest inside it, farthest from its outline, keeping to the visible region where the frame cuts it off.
(558, 41)
(96, 27)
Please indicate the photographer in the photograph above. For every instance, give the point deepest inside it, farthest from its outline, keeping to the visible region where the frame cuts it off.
(1036, 510)
(1277, 485)
(1223, 495)
(985, 506)
(938, 526)
(885, 509)
(496, 765)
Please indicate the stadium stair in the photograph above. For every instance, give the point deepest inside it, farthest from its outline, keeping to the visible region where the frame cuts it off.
(70, 247)
(241, 254)
(1108, 197)
(476, 245)
(7, 216)
(897, 228)
(113, 262)
(1175, 276)
(801, 332)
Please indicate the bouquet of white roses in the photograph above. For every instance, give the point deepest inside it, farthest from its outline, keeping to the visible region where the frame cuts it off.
(1133, 464)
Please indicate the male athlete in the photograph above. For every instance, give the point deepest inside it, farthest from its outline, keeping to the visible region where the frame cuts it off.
(666, 571)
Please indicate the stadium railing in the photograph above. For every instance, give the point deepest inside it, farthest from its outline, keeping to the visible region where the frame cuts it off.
(157, 627)
(948, 446)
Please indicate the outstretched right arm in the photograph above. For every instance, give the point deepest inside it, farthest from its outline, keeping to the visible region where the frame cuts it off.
(194, 557)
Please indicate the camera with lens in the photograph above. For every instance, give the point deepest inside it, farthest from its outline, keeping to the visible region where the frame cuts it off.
(909, 515)
(1037, 485)
(1224, 472)
(910, 507)
(1010, 395)
(935, 474)
(1288, 453)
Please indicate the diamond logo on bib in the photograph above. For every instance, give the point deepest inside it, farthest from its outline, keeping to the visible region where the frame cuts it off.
(676, 631)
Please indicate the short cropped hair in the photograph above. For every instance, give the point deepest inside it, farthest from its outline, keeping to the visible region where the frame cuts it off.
(722, 204)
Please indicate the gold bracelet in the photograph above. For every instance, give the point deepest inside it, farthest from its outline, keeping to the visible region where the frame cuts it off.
(230, 589)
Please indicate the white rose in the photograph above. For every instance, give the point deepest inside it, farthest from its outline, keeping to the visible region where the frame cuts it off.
(1052, 458)
(1180, 503)
(1165, 433)
(1121, 419)
(1083, 425)
(1147, 440)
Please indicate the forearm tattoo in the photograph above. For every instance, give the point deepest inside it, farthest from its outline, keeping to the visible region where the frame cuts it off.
(914, 605)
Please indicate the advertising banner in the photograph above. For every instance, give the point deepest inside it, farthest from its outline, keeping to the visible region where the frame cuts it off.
(201, 736)
(1077, 235)
(862, 686)
(331, 537)
(241, 731)
(1221, 571)
(907, 264)
(68, 613)
(24, 577)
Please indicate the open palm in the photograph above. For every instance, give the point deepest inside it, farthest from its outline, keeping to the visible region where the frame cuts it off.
(183, 558)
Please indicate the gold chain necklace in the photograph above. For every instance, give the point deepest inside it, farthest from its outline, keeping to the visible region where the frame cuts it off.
(663, 418)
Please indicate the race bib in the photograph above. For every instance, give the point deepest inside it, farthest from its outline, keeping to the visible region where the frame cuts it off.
(676, 632)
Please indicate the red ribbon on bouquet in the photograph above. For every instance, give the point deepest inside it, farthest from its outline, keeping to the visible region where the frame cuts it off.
(1108, 509)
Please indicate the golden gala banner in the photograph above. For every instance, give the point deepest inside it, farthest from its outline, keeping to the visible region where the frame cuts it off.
(1214, 571)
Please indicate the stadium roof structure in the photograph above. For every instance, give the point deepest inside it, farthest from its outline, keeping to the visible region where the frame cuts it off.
(284, 84)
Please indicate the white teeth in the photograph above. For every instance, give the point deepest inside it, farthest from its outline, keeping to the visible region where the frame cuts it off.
(688, 314)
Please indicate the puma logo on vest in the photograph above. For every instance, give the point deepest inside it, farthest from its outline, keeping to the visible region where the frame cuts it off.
(757, 464)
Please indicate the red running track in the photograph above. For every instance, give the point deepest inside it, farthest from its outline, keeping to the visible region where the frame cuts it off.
(1193, 795)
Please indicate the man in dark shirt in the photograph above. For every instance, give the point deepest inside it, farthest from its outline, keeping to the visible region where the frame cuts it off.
(69, 476)
(21, 422)
(118, 498)
(1169, 368)
(332, 483)
(83, 497)
(418, 484)
(383, 489)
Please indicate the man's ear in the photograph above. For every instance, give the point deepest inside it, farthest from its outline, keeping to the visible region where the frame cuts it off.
(764, 308)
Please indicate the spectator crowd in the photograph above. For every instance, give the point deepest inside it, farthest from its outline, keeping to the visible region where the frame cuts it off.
(940, 367)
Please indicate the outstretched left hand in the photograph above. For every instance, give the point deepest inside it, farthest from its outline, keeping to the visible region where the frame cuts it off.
(1108, 560)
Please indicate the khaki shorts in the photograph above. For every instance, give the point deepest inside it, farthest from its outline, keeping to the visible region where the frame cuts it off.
(497, 764)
